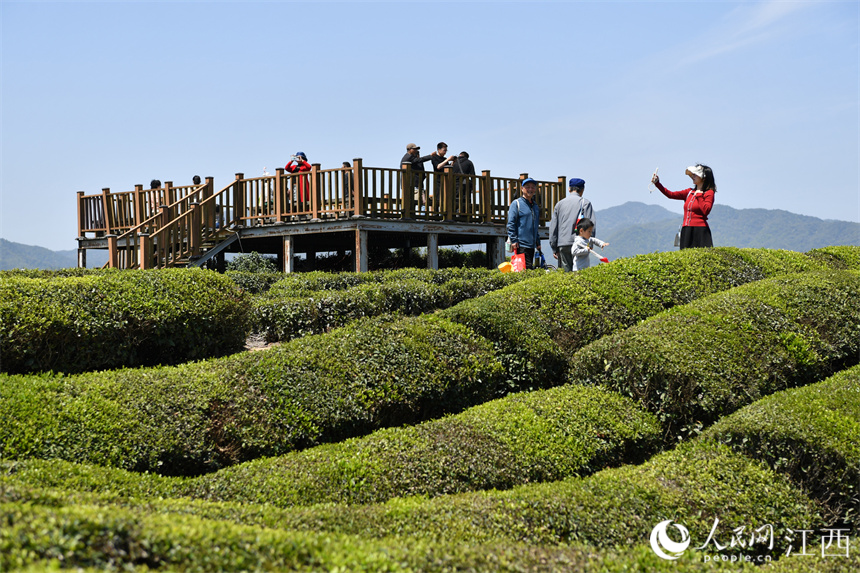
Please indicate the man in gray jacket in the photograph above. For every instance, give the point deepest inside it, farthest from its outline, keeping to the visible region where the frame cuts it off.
(562, 226)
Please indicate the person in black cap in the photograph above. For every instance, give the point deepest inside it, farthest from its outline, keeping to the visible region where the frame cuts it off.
(416, 161)
(523, 223)
(567, 212)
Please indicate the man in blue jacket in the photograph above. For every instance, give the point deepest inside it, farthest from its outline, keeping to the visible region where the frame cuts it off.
(523, 223)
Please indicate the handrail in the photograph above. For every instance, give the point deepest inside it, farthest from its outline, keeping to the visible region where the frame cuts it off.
(126, 251)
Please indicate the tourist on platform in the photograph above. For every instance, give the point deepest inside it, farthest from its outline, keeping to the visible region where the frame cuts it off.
(195, 180)
(463, 166)
(523, 223)
(698, 202)
(438, 158)
(562, 227)
(440, 162)
(155, 184)
(582, 244)
(416, 162)
(347, 178)
(299, 164)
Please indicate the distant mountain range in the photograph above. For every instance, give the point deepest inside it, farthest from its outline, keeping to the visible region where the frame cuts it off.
(636, 228)
(18, 256)
(631, 229)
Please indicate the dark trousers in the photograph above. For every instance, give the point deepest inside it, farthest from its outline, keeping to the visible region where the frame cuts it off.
(530, 256)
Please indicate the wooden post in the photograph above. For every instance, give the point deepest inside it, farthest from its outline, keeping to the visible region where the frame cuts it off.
(515, 193)
(315, 191)
(433, 251)
(487, 196)
(448, 193)
(360, 251)
(81, 213)
(82, 258)
(209, 212)
(169, 193)
(144, 257)
(288, 253)
(559, 195)
(108, 212)
(239, 199)
(408, 189)
(139, 205)
(496, 252)
(279, 194)
(196, 228)
(113, 255)
(163, 248)
(358, 204)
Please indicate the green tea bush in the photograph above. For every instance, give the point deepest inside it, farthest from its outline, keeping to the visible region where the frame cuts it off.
(293, 283)
(811, 435)
(198, 417)
(692, 485)
(538, 325)
(695, 363)
(54, 273)
(39, 538)
(318, 302)
(843, 257)
(834, 561)
(524, 438)
(252, 262)
(254, 283)
(110, 320)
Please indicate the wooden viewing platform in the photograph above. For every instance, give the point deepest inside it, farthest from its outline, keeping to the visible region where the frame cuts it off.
(343, 209)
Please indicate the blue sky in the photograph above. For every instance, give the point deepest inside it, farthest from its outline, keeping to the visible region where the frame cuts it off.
(111, 94)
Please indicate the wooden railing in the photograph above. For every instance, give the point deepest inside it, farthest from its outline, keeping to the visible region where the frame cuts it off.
(129, 248)
(162, 227)
(116, 213)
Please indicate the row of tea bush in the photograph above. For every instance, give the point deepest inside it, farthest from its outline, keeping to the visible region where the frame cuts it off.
(388, 372)
(584, 523)
(312, 303)
(75, 320)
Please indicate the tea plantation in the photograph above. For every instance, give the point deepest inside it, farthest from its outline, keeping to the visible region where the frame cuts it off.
(688, 411)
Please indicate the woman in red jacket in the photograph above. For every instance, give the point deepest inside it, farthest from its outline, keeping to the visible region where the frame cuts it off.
(698, 202)
(299, 164)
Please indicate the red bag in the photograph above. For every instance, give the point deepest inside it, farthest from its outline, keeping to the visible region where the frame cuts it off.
(518, 262)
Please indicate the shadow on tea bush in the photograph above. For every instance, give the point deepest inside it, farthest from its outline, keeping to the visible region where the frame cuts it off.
(696, 363)
(811, 435)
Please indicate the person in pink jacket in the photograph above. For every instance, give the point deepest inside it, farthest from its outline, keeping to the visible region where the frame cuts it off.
(698, 202)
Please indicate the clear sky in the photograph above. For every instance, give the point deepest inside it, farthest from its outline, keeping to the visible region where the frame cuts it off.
(110, 94)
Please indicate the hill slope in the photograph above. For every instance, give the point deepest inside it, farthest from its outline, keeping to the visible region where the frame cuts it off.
(19, 256)
(636, 228)
(632, 229)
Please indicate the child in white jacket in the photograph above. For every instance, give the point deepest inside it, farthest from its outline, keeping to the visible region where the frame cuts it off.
(582, 244)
